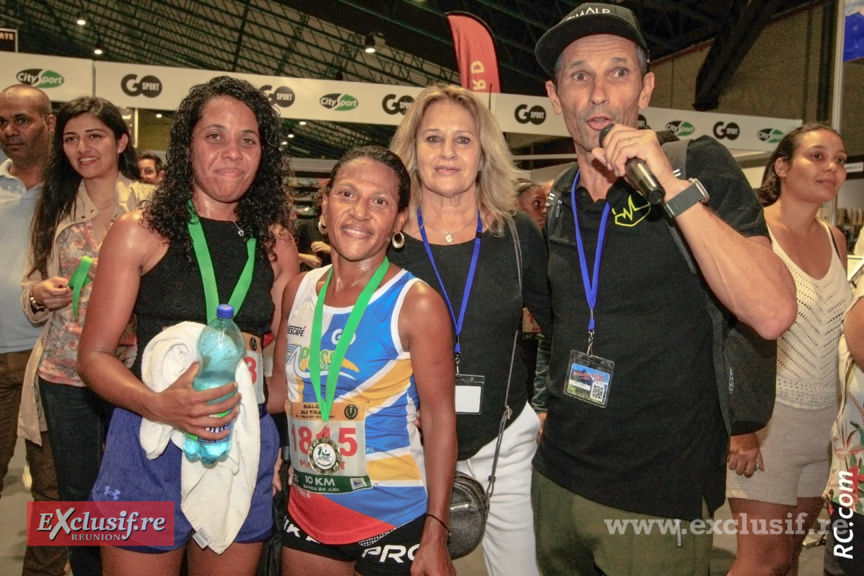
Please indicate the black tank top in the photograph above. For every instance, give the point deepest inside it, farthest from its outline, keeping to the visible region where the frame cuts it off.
(173, 292)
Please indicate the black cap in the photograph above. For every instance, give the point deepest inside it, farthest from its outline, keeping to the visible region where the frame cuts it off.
(586, 20)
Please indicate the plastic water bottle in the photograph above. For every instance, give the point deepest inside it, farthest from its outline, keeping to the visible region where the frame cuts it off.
(220, 349)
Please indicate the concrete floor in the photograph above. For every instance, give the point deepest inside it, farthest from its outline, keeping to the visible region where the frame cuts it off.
(13, 537)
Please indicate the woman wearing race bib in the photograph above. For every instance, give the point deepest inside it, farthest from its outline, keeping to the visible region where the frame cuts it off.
(371, 495)
(88, 185)
(222, 201)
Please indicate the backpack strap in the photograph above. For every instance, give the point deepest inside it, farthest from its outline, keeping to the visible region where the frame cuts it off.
(676, 151)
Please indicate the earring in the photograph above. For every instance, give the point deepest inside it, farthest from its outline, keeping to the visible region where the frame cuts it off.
(322, 228)
(398, 244)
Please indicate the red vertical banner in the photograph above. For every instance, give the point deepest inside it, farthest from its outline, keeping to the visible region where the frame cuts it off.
(475, 53)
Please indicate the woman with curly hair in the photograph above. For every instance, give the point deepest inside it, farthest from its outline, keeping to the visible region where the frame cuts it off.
(222, 195)
(88, 185)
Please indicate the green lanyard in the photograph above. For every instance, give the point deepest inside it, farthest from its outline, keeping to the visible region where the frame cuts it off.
(78, 281)
(344, 338)
(208, 277)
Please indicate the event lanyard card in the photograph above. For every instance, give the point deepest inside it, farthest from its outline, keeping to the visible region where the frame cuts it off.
(469, 392)
(589, 378)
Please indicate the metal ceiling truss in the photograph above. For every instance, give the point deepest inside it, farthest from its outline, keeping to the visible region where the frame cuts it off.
(250, 36)
(745, 21)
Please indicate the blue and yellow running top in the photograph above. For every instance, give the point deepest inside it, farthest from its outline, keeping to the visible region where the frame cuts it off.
(362, 472)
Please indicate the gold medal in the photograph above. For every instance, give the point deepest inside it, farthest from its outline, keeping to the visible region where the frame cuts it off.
(324, 456)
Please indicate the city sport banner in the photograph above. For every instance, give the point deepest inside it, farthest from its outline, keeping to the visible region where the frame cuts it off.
(62, 79)
(475, 53)
(162, 88)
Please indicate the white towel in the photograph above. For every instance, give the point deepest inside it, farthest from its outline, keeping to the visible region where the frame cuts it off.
(214, 500)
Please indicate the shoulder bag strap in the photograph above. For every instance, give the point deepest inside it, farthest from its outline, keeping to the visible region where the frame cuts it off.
(508, 412)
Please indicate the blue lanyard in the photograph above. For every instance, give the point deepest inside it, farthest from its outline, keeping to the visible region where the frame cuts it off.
(469, 282)
(590, 287)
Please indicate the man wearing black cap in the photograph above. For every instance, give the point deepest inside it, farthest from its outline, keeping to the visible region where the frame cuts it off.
(645, 440)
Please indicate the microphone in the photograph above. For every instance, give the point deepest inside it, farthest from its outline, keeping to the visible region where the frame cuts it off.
(639, 175)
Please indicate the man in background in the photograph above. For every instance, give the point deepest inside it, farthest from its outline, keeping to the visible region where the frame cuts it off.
(151, 168)
(26, 128)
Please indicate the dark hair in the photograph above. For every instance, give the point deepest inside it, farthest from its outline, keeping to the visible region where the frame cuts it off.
(264, 205)
(61, 181)
(769, 191)
(523, 185)
(157, 161)
(385, 157)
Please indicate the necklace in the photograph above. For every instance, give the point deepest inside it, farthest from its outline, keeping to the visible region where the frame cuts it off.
(239, 229)
(448, 236)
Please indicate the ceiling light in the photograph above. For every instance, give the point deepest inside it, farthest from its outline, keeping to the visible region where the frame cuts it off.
(291, 134)
(81, 21)
(302, 123)
(158, 115)
(369, 44)
(97, 50)
(284, 142)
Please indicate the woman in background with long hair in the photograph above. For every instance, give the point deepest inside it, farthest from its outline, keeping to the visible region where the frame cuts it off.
(776, 475)
(88, 184)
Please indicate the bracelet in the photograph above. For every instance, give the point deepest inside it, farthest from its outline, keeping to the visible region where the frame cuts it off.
(34, 305)
(447, 528)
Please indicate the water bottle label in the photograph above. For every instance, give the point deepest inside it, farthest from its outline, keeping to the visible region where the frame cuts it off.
(213, 430)
(329, 457)
(217, 430)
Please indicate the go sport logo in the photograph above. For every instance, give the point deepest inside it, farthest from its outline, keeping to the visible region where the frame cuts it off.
(39, 78)
(770, 135)
(148, 86)
(339, 102)
(393, 106)
(680, 128)
(535, 115)
(282, 96)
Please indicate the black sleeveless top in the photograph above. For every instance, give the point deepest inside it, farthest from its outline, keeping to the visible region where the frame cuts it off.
(172, 292)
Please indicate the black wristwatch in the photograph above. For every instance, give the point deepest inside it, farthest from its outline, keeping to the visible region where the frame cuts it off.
(691, 195)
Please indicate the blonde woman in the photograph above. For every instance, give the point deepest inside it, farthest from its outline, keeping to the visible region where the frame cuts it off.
(460, 240)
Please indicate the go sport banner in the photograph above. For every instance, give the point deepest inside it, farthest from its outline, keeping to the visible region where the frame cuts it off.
(534, 115)
(162, 88)
(62, 79)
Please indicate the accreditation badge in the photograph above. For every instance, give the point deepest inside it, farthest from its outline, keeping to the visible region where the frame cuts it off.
(469, 393)
(589, 378)
(328, 457)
